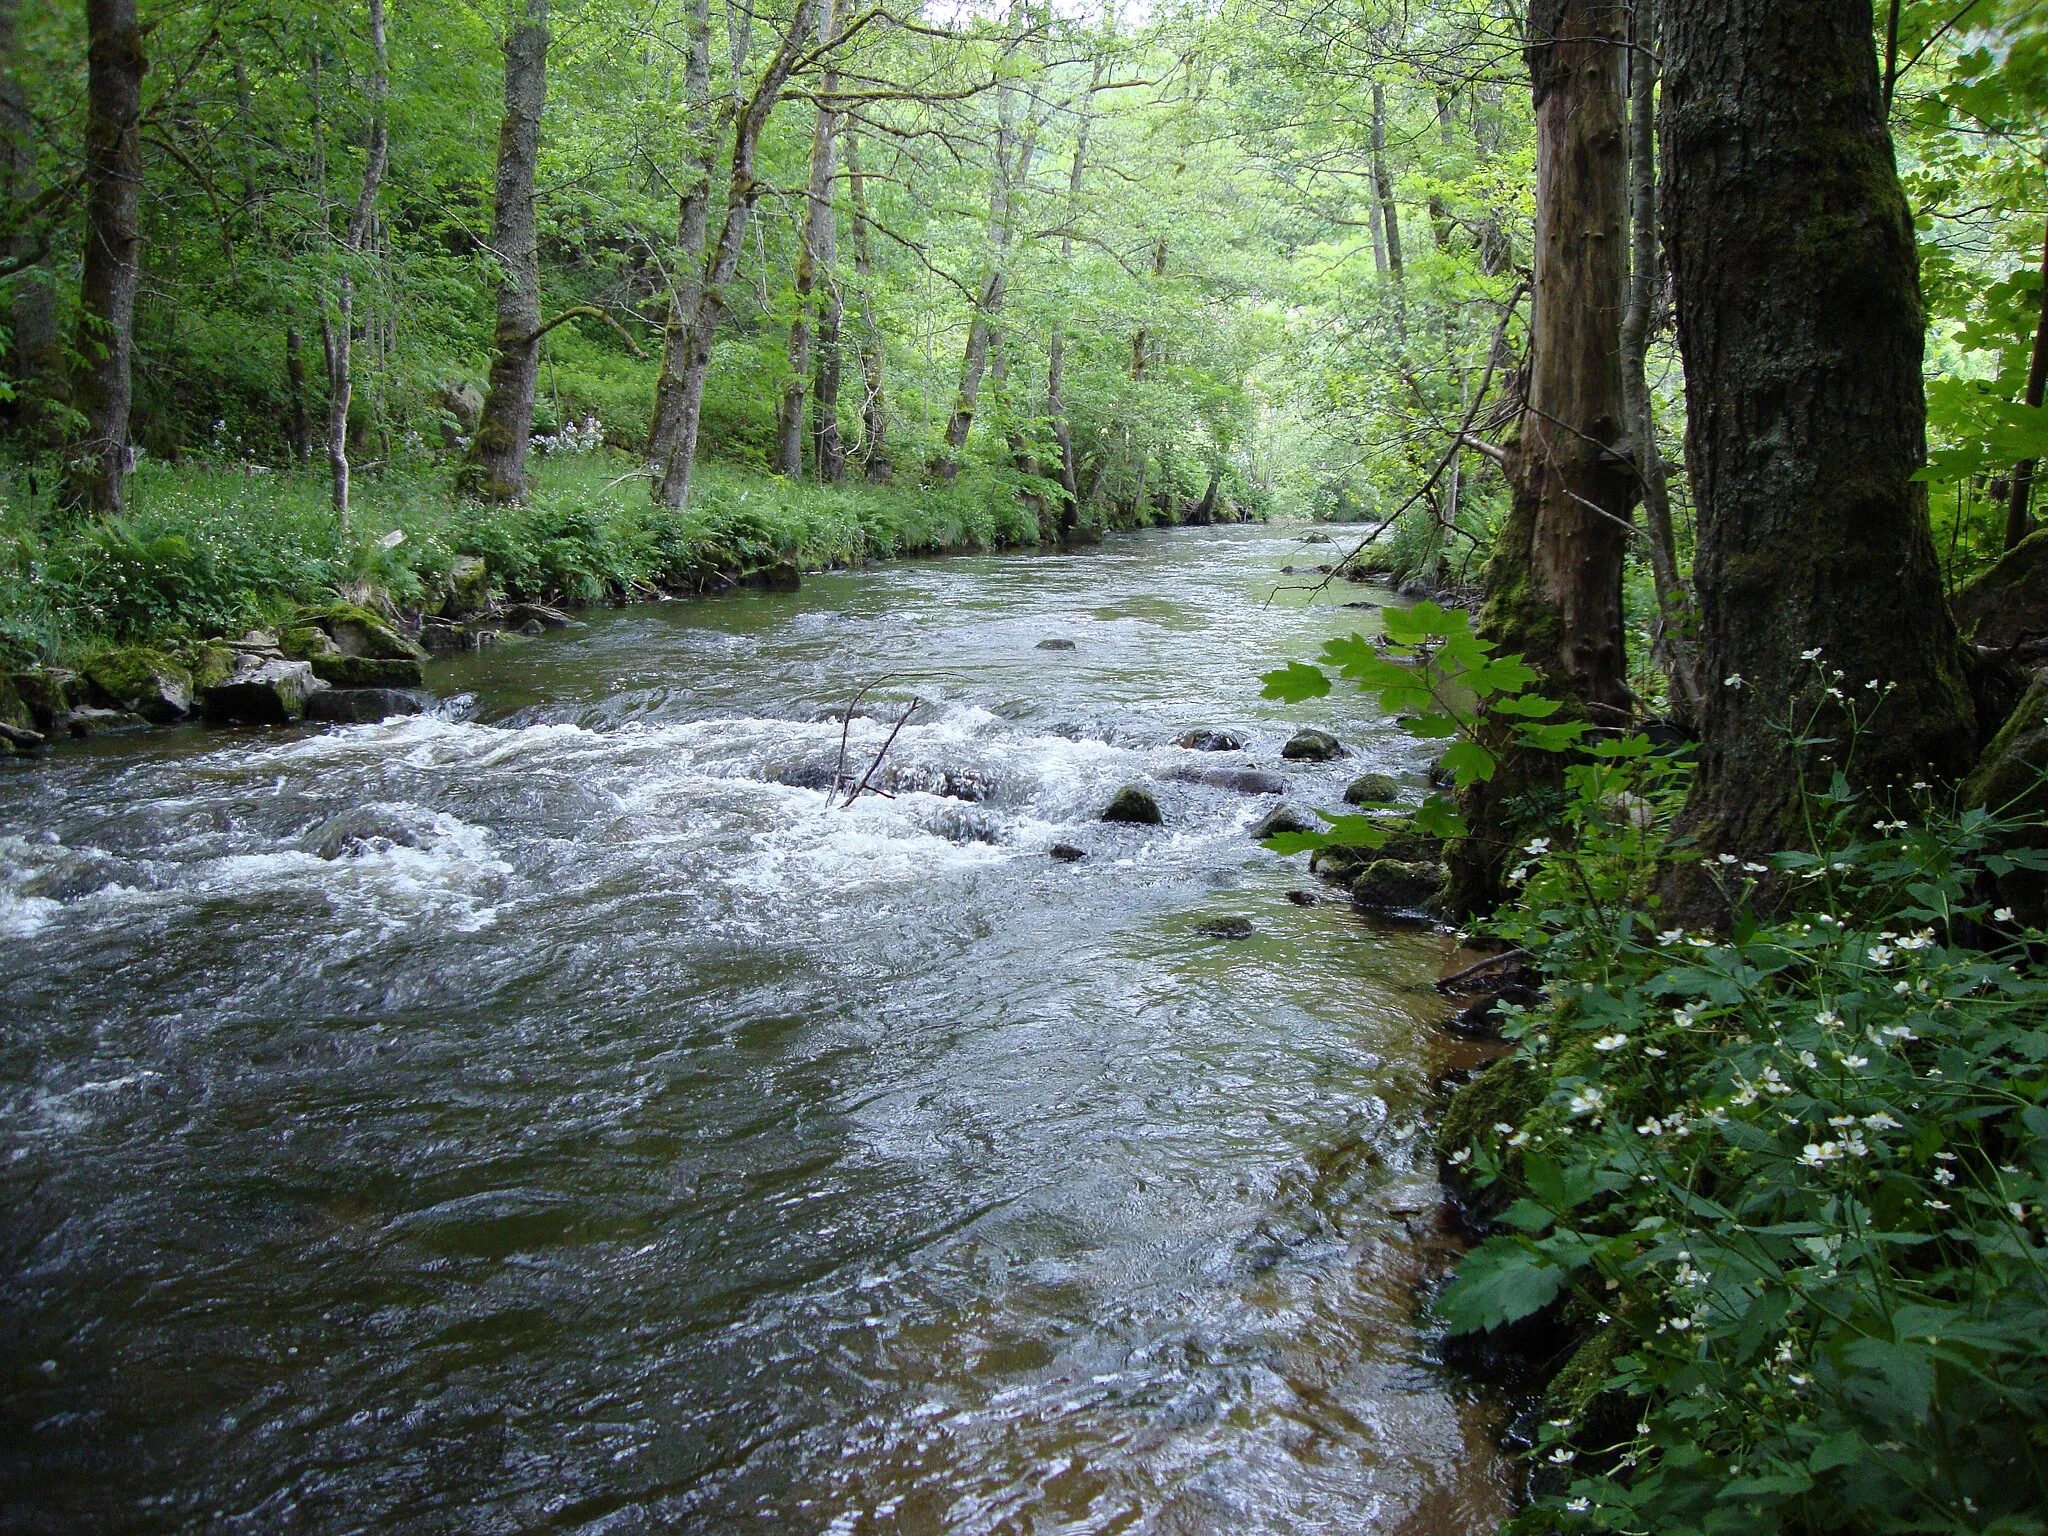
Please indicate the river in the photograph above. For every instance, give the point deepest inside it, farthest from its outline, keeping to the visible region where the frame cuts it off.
(546, 1113)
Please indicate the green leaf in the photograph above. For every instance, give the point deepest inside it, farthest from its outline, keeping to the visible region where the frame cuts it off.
(1468, 762)
(1530, 706)
(1295, 683)
(1629, 746)
(1291, 843)
(1438, 817)
(1560, 737)
(1501, 1281)
(1430, 727)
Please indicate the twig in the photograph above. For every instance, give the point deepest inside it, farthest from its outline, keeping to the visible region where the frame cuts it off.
(845, 727)
(1450, 983)
(861, 788)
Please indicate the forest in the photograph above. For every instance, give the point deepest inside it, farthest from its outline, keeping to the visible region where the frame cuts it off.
(1647, 398)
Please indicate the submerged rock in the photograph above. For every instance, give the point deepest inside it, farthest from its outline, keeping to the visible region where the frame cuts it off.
(1227, 927)
(1067, 853)
(263, 691)
(1134, 805)
(142, 682)
(1313, 746)
(1305, 898)
(359, 706)
(1055, 645)
(1203, 739)
(1282, 818)
(339, 671)
(1243, 781)
(89, 720)
(20, 738)
(1372, 789)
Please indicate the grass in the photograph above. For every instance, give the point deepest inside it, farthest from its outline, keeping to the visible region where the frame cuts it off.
(207, 550)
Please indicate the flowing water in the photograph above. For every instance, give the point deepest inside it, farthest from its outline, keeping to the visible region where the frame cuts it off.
(547, 1113)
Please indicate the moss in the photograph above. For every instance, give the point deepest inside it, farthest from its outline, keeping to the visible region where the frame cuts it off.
(13, 711)
(150, 683)
(367, 671)
(305, 642)
(359, 632)
(210, 664)
(1372, 788)
(1506, 1093)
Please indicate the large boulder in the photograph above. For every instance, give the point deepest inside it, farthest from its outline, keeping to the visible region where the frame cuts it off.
(48, 692)
(359, 632)
(359, 706)
(2007, 607)
(1242, 781)
(14, 710)
(263, 691)
(469, 588)
(1134, 805)
(1312, 746)
(213, 662)
(1372, 789)
(21, 739)
(1395, 885)
(141, 682)
(2012, 779)
(1282, 818)
(341, 671)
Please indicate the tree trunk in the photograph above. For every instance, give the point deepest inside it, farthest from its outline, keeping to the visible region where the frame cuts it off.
(1553, 584)
(1800, 323)
(497, 454)
(298, 427)
(1674, 645)
(337, 327)
(989, 301)
(2021, 490)
(34, 358)
(874, 408)
(1056, 348)
(103, 388)
(722, 261)
(828, 448)
(1383, 182)
(814, 247)
(693, 217)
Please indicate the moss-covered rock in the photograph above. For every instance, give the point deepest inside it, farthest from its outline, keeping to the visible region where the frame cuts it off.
(1372, 789)
(468, 589)
(209, 664)
(1507, 1092)
(14, 710)
(1134, 805)
(140, 681)
(305, 641)
(1282, 818)
(1396, 885)
(2009, 779)
(264, 692)
(48, 692)
(1312, 746)
(2008, 605)
(359, 632)
(340, 671)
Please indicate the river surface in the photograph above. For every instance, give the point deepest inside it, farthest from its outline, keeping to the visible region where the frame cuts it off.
(546, 1114)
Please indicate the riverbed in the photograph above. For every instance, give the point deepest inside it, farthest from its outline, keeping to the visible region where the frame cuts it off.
(547, 1112)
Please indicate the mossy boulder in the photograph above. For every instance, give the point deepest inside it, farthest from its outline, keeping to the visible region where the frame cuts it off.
(305, 641)
(14, 710)
(210, 663)
(1282, 818)
(359, 632)
(140, 681)
(263, 691)
(341, 671)
(48, 692)
(2007, 607)
(1312, 746)
(468, 589)
(1372, 789)
(1133, 805)
(1396, 885)
(1507, 1092)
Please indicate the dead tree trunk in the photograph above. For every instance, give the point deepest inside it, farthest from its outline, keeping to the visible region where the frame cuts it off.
(1554, 582)
(2017, 522)
(103, 387)
(497, 454)
(814, 246)
(693, 217)
(722, 261)
(1800, 323)
(337, 324)
(874, 407)
(1674, 646)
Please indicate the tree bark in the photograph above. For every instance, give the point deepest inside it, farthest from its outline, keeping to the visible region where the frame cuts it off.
(2017, 522)
(337, 326)
(1800, 323)
(828, 448)
(693, 218)
(1383, 183)
(34, 357)
(1056, 347)
(1674, 645)
(722, 261)
(1553, 583)
(298, 426)
(874, 409)
(102, 389)
(497, 454)
(814, 247)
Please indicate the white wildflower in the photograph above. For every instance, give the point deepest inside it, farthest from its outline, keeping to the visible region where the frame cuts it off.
(1880, 954)
(1755, 868)
(1828, 1019)
(1812, 655)
(1820, 1153)
(1612, 1042)
(1585, 1101)
(2002, 915)
(1459, 1158)
(1537, 846)
(1651, 1127)
(1653, 1050)
(1671, 936)
(1732, 680)
(1944, 1176)
(1882, 1121)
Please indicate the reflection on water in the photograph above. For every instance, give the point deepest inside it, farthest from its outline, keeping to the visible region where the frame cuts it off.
(546, 1112)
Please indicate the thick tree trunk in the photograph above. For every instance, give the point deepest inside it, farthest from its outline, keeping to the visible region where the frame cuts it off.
(1553, 584)
(34, 357)
(1800, 323)
(693, 218)
(337, 326)
(813, 251)
(1674, 645)
(103, 387)
(722, 261)
(497, 454)
(874, 408)
(2017, 522)
(828, 448)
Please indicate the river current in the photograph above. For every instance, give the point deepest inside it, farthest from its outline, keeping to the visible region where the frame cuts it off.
(546, 1114)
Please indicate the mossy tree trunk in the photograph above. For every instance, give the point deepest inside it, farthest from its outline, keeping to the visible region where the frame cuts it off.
(497, 454)
(1800, 323)
(102, 389)
(1554, 582)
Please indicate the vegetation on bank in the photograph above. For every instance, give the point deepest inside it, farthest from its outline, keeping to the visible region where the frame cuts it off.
(214, 550)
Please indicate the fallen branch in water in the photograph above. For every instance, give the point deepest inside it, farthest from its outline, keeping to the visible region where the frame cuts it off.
(861, 788)
(1450, 983)
(846, 726)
